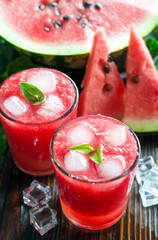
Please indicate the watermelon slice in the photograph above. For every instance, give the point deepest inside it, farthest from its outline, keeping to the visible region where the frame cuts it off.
(104, 89)
(141, 104)
(60, 32)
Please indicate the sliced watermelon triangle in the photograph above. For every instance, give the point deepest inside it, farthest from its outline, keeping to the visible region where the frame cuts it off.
(104, 89)
(141, 102)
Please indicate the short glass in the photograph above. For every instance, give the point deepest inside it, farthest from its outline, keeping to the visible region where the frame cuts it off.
(29, 142)
(93, 204)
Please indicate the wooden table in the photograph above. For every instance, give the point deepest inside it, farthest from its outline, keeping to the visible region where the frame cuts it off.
(137, 223)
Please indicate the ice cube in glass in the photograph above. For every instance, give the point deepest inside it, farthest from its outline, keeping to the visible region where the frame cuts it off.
(15, 106)
(43, 218)
(44, 80)
(36, 193)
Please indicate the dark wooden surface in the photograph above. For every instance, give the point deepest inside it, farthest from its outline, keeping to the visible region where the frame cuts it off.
(137, 223)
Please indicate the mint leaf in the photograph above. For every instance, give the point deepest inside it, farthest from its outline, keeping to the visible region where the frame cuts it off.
(152, 44)
(32, 93)
(3, 140)
(95, 156)
(83, 148)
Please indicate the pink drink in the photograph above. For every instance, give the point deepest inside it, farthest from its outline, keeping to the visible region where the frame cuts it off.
(92, 195)
(29, 128)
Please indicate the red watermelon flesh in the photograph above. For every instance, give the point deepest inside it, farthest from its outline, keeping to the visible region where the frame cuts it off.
(38, 21)
(104, 89)
(141, 102)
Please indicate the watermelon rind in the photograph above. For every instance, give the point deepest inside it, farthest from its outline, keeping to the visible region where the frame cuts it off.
(143, 125)
(71, 56)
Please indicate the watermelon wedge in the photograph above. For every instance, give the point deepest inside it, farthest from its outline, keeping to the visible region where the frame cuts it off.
(104, 89)
(60, 32)
(141, 103)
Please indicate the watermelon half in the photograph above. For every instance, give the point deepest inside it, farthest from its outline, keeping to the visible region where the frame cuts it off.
(60, 32)
(104, 89)
(141, 102)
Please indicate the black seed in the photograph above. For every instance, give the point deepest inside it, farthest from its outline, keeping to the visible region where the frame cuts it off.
(110, 59)
(67, 17)
(53, 5)
(79, 18)
(107, 88)
(134, 79)
(87, 4)
(84, 24)
(57, 24)
(40, 7)
(106, 69)
(98, 5)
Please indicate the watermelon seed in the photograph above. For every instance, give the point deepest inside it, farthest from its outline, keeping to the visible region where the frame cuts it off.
(40, 7)
(110, 59)
(106, 69)
(79, 18)
(135, 79)
(97, 5)
(67, 17)
(53, 5)
(106, 88)
(87, 4)
(57, 24)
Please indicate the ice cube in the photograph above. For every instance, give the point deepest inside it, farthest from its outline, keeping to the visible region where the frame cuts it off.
(75, 161)
(144, 166)
(15, 106)
(36, 193)
(150, 183)
(51, 106)
(43, 218)
(147, 198)
(117, 136)
(44, 80)
(112, 167)
(80, 134)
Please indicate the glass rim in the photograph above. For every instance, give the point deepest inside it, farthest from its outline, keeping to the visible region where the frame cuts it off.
(100, 180)
(51, 121)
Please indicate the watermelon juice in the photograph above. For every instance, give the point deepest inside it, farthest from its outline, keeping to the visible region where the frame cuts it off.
(29, 128)
(92, 195)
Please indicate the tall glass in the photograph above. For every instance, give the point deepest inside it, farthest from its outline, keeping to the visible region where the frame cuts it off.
(87, 200)
(29, 139)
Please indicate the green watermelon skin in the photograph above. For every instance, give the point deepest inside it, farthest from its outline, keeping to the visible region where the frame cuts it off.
(22, 25)
(141, 99)
(104, 89)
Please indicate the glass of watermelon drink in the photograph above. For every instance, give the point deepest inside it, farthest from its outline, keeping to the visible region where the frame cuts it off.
(29, 128)
(92, 195)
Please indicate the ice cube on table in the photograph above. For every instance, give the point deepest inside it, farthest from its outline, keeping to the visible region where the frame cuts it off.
(113, 166)
(15, 106)
(117, 136)
(51, 106)
(36, 193)
(145, 164)
(147, 198)
(44, 80)
(80, 134)
(75, 161)
(43, 218)
(150, 183)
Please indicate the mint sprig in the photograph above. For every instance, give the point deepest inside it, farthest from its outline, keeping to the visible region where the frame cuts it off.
(94, 155)
(32, 93)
